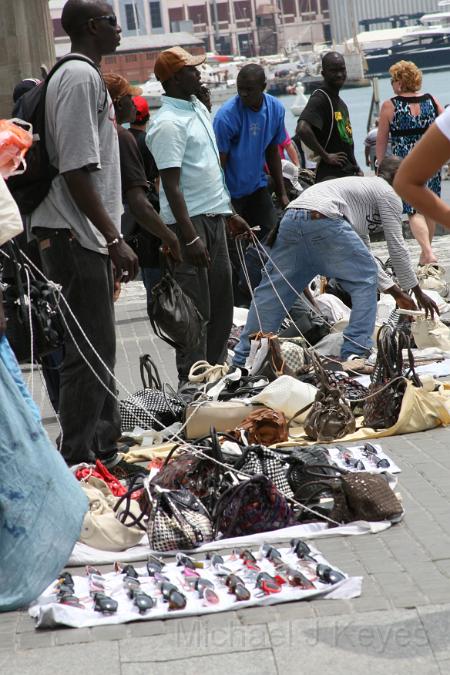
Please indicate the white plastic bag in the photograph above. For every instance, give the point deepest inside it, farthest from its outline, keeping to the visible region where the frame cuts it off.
(287, 395)
(431, 333)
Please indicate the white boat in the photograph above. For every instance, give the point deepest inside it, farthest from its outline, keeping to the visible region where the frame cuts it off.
(427, 45)
(300, 100)
(152, 91)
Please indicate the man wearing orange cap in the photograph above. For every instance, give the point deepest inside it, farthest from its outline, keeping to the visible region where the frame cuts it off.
(194, 201)
(134, 180)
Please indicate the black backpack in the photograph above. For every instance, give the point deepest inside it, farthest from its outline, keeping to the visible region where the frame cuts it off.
(30, 188)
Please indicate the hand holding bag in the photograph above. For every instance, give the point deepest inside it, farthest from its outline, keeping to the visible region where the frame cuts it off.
(330, 417)
(174, 315)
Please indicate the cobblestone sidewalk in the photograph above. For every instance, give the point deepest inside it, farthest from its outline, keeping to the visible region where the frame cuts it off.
(400, 624)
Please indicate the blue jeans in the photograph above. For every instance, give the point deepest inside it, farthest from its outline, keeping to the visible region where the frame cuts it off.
(304, 248)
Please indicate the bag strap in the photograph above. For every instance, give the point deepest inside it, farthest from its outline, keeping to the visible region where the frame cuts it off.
(127, 514)
(18, 266)
(148, 369)
(332, 116)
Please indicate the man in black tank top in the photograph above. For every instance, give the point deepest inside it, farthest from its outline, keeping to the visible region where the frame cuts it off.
(324, 125)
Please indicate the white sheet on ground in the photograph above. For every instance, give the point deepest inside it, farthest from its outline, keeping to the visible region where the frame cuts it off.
(86, 555)
(437, 369)
(49, 613)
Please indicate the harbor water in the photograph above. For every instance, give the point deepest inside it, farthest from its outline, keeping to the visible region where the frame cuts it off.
(358, 102)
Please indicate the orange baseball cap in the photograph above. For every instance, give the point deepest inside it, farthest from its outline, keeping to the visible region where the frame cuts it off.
(170, 61)
(119, 87)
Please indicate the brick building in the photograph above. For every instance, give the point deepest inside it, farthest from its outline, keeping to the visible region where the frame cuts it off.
(246, 27)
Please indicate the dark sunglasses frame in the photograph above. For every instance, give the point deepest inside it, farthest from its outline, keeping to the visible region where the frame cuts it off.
(110, 18)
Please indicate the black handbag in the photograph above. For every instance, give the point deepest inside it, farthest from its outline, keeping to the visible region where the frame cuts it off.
(34, 328)
(382, 407)
(174, 316)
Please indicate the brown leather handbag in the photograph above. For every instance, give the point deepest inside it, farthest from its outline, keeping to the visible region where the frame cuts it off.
(330, 417)
(263, 427)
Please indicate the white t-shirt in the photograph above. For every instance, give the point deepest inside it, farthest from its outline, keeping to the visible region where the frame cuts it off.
(10, 220)
(443, 123)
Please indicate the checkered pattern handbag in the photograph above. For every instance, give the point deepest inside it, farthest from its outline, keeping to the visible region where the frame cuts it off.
(260, 460)
(178, 521)
(150, 409)
(293, 354)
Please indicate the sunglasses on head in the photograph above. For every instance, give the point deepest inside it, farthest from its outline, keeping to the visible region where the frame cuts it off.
(110, 18)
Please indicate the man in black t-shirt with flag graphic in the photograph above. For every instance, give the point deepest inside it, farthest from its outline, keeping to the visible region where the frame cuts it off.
(324, 125)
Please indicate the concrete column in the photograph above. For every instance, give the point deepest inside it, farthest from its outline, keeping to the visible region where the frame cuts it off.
(26, 42)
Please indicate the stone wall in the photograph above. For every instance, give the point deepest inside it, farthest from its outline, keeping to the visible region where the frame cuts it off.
(26, 42)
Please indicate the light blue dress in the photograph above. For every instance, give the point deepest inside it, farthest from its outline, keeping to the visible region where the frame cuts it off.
(41, 504)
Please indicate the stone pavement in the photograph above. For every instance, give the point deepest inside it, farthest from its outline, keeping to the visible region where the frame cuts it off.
(400, 624)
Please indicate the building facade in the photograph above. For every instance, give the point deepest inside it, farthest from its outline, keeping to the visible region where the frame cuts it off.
(243, 27)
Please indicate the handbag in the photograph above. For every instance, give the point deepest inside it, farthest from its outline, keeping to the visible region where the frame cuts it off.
(174, 316)
(200, 416)
(287, 395)
(330, 417)
(257, 459)
(382, 407)
(430, 333)
(263, 427)
(253, 506)
(198, 474)
(293, 353)
(177, 521)
(360, 496)
(34, 326)
(303, 465)
(265, 357)
(151, 407)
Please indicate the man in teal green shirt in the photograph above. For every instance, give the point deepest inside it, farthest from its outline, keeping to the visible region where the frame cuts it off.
(194, 201)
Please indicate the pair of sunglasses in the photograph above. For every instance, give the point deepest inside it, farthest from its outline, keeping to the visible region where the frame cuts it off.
(171, 595)
(110, 18)
(104, 604)
(370, 452)
(271, 553)
(302, 550)
(127, 570)
(237, 587)
(328, 575)
(268, 584)
(297, 579)
(143, 601)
